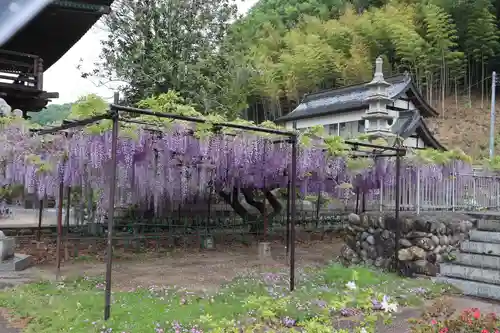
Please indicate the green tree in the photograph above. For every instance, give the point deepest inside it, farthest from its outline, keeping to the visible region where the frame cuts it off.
(53, 113)
(441, 35)
(160, 45)
(481, 38)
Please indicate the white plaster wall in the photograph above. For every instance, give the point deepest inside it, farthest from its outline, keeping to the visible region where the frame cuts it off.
(413, 143)
(354, 116)
(399, 103)
(343, 117)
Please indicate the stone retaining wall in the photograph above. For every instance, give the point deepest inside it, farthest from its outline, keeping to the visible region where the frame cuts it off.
(426, 239)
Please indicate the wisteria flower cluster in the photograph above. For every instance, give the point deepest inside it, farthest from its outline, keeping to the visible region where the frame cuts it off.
(175, 164)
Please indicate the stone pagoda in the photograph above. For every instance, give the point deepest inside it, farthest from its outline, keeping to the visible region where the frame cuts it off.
(378, 119)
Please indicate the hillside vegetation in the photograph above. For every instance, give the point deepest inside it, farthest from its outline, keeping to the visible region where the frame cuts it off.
(466, 126)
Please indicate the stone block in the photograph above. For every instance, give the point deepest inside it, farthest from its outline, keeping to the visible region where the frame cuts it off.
(481, 248)
(19, 262)
(493, 216)
(478, 260)
(264, 250)
(22, 261)
(472, 288)
(7, 246)
(484, 236)
(488, 225)
(471, 273)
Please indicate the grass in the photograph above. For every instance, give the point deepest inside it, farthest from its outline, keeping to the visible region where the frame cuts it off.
(256, 302)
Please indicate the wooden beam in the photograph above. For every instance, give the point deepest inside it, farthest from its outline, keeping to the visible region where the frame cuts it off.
(81, 7)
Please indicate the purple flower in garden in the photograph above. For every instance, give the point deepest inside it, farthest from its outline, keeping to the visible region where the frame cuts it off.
(418, 291)
(320, 303)
(177, 327)
(376, 305)
(271, 278)
(288, 322)
(349, 312)
(158, 329)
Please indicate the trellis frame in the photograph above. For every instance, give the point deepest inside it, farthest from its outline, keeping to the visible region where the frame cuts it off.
(114, 114)
(291, 137)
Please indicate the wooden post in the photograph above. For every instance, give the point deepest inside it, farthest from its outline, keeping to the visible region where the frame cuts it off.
(39, 73)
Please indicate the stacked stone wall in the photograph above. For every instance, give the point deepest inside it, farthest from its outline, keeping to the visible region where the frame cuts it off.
(425, 240)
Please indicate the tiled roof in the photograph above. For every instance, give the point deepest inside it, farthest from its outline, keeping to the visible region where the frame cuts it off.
(352, 98)
(410, 122)
(53, 31)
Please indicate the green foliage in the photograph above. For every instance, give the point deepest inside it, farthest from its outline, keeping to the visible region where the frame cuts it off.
(90, 106)
(52, 114)
(481, 42)
(432, 156)
(173, 45)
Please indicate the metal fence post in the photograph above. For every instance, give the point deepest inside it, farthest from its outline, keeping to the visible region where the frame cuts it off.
(417, 195)
(381, 199)
(453, 186)
(497, 194)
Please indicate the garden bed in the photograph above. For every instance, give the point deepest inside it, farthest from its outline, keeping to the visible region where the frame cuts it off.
(258, 302)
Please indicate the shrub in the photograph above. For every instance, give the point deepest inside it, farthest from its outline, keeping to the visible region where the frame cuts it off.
(441, 320)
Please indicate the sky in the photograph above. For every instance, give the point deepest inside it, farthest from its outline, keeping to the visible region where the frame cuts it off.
(65, 78)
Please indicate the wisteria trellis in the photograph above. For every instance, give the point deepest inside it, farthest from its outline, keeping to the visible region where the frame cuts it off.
(177, 166)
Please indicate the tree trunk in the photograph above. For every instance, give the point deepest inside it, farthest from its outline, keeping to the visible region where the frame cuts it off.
(482, 83)
(256, 221)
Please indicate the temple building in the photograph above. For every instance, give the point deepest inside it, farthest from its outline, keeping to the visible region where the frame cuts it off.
(383, 107)
(38, 45)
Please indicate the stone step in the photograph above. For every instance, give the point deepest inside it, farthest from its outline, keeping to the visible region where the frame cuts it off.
(472, 288)
(478, 260)
(470, 273)
(488, 225)
(492, 216)
(481, 248)
(484, 236)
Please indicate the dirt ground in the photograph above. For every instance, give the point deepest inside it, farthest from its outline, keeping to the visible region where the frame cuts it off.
(201, 270)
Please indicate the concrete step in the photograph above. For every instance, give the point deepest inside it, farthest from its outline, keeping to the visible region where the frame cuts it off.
(492, 215)
(478, 260)
(481, 248)
(488, 225)
(472, 288)
(485, 275)
(484, 236)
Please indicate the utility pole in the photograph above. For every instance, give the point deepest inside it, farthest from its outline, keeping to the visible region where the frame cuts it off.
(492, 115)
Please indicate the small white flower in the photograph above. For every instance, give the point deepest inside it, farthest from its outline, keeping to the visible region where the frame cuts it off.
(388, 307)
(351, 285)
(363, 330)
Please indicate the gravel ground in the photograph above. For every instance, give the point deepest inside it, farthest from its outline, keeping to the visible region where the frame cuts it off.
(4, 328)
